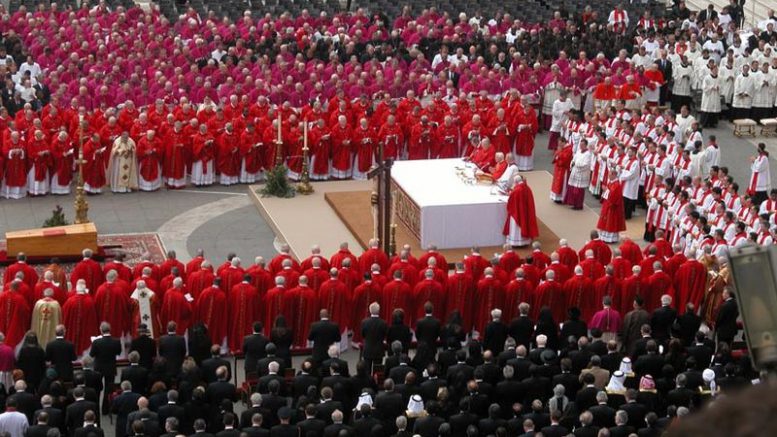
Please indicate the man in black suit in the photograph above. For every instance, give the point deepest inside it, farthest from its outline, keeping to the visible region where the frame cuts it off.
(172, 348)
(621, 428)
(586, 397)
(135, 373)
(586, 428)
(311, 425)
(88, 427)
(215, 361)
(256, 430)
(651, 363)
(328, 405)
(221, 389)
(285, 428)
(272, 375)
(604, 415)
(431, 385)
(612, 360)
(374, 331)
(635, 410)
(246, 417)
(429, 425)
(122, 405)
(104, 351)
(662, 319)
(229, 427)
(304, 379)
(145, 346)
(200, 427)
(41, 426)
(461, 372)
(171, 409)
(26, 402)
(262, 366)
(665, 67)
(323, 334)
(254, 348)
(726, 321)
(427, 329)
(688, 323)
(90, 378)
(388, 404)
(495, 333)
(61, 354)
(334, 358)
(521, 328)
(74, 413)
(273, 402)
(337, 426)
(701, 353)
(555, 429)
(55, 417)
(171, 427)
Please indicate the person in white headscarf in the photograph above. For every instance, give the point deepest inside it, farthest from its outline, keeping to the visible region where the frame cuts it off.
(710, 388)
(415, 408)
(616, 383)
(626, 367)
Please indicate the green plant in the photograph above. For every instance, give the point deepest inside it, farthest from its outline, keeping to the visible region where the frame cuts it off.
(277, 184)
(57, 218)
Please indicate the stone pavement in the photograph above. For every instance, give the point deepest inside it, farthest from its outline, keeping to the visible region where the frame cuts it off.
(223, 219)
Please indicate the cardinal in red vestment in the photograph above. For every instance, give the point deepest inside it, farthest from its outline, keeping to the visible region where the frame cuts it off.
(228, 156)
(89, 270)
(252, 153)
(30, 275)
(211, 309)
(526, 131)
(150, 154)
(660, 284)
(427, 290)
(363, 295)
(373, 255)
(518, 290)
(340, 136)
(60, 294)
(612, 219)
(460, 295)
(633, 286)
(316, 275)
(15, 315)
(392, 138)
(95, 164)
(177, 149)
(232, 275)
(690, 283)
(319, 140)
(521, 224)
(578, 289)
(80, 318)
(15, 181)
(364, 142)
(144, 310)
(550, 294)
(176, 307)
(333, 296)
(198, 281)
(420, 141)
(303, 304)
(490, 294)
(562, 158)
(397, 294)
(113, 306)
(276, 303)
(601, 250)
(244, 310)
(607, 285)
(447, 140)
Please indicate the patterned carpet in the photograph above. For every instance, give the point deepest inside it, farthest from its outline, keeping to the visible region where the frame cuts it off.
(132, 245)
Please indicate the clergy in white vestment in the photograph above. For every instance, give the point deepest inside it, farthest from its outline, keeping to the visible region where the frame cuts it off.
(681, 90)
(579, 176)
(629, 176)
(763, 101)
(710, 99)
(760, 177)
(742, 100)
(123, 166)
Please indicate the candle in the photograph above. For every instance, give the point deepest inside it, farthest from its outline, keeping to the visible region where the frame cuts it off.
(305, 135)
(279, 126)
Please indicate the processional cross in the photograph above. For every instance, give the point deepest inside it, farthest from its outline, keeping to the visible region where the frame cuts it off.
(381, 199)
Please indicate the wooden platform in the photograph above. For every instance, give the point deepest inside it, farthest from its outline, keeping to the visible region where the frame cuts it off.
(348, 206)
(68, 240)
(340, 211)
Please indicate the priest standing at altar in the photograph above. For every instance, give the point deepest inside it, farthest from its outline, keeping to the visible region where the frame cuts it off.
(521, 224)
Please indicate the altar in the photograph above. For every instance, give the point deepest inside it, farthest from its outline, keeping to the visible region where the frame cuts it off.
(440, 204)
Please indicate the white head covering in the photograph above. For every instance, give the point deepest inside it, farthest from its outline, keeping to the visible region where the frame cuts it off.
(415, 405)
(709, 377)
(364, 399)
(625, 366)
(616, 382)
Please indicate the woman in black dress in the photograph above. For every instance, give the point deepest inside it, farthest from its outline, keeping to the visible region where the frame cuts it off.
(32, 360)
(398, 331)
(283, 337)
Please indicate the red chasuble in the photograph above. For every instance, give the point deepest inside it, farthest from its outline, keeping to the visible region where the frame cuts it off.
(363, 295)
(14, 317)
(80, 320)
(690, 282)
(612, 218)
(112, 305)
(244, 304)
(397, 294)
(89, 270)
(333, 296)
(520, 207)
(490, 294)
(211, 309)
(177, 309)
(304, 303)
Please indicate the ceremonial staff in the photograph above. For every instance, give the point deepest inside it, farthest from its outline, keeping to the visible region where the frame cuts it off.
(80, 204)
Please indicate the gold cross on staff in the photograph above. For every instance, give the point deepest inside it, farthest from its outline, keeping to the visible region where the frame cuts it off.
(80, 204)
